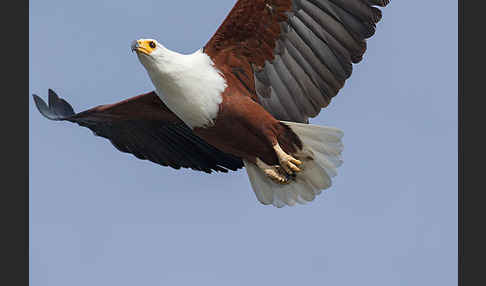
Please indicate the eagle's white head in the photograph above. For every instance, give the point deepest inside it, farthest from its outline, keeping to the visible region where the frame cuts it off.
(189, 85)
(154, 56)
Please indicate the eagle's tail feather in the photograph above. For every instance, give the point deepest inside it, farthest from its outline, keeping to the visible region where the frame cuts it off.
(321, 156)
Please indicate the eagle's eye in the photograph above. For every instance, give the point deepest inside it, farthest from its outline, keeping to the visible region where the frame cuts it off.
(152, 44)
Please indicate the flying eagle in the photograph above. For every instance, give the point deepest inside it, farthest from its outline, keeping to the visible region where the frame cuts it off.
(245, 98)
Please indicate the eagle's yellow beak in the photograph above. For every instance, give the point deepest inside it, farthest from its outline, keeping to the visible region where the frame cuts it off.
(144, 46)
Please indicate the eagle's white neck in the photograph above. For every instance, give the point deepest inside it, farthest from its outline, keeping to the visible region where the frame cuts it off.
(189, 85)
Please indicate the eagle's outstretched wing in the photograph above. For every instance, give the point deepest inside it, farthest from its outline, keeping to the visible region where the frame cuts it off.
(297, 54)
(145, 127)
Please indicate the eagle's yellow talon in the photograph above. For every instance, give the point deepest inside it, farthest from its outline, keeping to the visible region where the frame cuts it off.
(275, 173)
(288, 163)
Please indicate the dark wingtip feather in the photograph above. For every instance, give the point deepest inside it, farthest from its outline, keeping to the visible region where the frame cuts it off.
(44, 109)
(52, 96)
(58, 108)
(377, 14)
(381, 3)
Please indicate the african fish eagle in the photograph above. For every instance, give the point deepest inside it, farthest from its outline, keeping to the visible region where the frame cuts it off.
(245, 98)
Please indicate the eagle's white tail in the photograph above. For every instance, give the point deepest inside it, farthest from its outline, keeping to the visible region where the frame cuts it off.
(321, 155)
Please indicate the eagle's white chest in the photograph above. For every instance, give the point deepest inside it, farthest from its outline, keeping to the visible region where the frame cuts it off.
(191, 88)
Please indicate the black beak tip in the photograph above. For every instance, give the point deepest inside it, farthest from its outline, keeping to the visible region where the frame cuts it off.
(134, 45)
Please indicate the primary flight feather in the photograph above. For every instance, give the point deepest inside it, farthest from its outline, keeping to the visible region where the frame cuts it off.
(245, 98)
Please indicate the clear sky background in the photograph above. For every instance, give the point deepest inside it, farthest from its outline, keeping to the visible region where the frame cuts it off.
(102, 217)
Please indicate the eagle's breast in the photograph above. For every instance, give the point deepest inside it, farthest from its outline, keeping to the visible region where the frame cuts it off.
(192, 89)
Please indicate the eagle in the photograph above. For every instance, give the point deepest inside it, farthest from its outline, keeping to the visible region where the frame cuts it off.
(245, 98)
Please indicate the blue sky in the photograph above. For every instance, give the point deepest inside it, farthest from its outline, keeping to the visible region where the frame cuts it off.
(102, 217)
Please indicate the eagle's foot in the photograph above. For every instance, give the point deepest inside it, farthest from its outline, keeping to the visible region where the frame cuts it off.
(275, 173)
(287, 162)
(276, 176)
